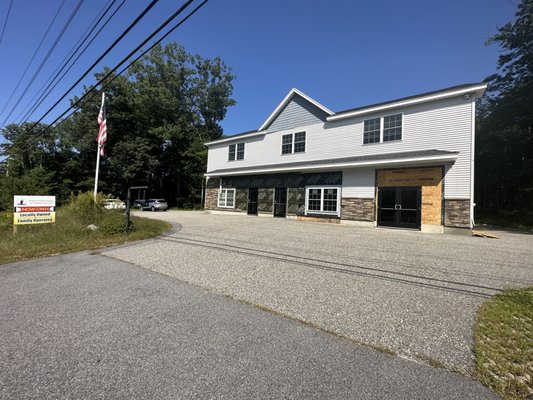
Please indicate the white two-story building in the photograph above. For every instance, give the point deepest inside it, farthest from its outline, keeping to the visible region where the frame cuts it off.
(403, 163)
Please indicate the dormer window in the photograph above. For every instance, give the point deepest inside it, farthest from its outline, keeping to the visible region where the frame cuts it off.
(236, 152)
(293, 143)
(383, 129)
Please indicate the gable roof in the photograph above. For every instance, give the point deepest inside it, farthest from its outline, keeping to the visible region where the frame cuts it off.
(293, 92)
(466, 89)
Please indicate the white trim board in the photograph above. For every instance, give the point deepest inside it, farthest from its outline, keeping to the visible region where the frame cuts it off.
(398, 161)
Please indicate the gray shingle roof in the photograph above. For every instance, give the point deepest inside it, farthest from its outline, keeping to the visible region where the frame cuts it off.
(448, 89)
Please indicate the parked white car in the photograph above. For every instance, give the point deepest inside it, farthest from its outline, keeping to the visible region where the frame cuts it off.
(114, 204)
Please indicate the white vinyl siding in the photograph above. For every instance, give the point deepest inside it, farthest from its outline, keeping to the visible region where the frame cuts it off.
(359, 183)
(441, 125)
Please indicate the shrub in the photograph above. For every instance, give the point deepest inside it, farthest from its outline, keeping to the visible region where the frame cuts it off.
(112, 223)
(83, 207)
(6, 220)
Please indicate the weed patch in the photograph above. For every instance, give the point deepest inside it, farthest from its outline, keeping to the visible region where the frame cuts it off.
(70, 233)
(504, 337)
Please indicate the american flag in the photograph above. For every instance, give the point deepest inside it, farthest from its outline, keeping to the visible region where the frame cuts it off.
(102, 132)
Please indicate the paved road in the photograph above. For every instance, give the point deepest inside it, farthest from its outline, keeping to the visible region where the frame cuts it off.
(416, 294)
(85, 326)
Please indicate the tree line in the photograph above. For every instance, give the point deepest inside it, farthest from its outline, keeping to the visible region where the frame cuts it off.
(504, 135)
(159, 114)
(168, 104)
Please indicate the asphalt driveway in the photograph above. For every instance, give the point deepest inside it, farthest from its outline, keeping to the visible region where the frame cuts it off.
(411, 293)
(85, 326)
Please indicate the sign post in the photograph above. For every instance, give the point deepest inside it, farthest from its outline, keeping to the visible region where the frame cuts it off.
(128, 206)
(29, 210)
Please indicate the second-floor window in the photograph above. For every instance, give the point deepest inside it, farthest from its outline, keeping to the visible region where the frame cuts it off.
(236, 152)
(293, 143)
(383, 129)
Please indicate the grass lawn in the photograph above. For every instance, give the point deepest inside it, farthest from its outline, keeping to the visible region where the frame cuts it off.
(67, 235)
(504, 343)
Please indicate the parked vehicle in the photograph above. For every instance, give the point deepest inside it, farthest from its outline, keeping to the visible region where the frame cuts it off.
(114, 204)
(154, 205)
(138, 203)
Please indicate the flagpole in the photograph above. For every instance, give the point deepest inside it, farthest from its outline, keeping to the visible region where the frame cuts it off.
(98, 158)
(97, 170)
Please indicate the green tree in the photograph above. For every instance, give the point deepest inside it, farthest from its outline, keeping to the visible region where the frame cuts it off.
(504, 159)
(159, 114)
(27, 146)
(36, 181)
(31, 164)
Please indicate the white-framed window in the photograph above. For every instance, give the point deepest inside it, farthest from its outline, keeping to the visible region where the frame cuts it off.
(323, 200)
(293, 143)
(226, 198)
(383, 129)
(236, 152)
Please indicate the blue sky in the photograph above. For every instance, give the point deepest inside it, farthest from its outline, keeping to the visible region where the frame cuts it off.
(342, 53)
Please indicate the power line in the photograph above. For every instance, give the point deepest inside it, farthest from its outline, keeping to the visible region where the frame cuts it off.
(162, 26)
(69, 55)
(96, 92)
(72, 15)
(33, 57)
(5, 22)
(124, 33)
(101, 57)
(51, 85)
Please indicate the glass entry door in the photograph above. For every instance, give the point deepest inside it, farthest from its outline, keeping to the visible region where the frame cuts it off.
(280, 202)
(399, 206)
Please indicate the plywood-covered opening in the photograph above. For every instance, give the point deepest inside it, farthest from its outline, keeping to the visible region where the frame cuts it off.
(430, 181)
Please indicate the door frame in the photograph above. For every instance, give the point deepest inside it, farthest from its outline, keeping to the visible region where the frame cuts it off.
(398, 207)
(283, 189)
(256, 201)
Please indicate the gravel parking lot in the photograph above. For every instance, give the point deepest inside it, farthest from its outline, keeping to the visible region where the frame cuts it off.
(415, 294)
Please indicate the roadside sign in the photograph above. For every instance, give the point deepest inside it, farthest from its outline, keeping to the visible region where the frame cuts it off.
(34, 210)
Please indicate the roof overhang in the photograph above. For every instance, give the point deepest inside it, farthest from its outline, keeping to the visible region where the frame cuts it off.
(286, 101)
(476, 90)
(402, 160)
(235, 138)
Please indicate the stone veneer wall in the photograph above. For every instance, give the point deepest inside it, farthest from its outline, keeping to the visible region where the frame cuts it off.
(457, 213)
(211, 193)
(211, 197)
(357, 209)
